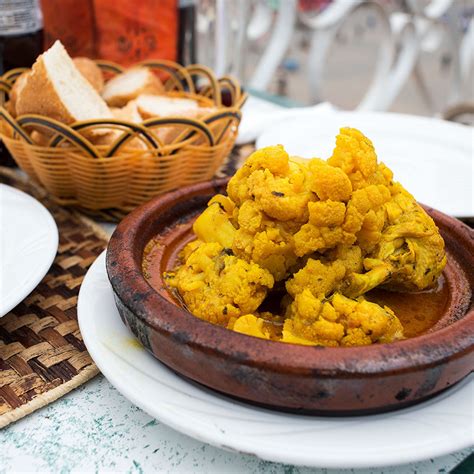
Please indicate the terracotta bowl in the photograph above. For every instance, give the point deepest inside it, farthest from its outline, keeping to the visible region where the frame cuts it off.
(285, 376)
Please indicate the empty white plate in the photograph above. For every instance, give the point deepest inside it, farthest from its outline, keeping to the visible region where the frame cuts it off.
(433, 159)
(28, 245)
(433, 428)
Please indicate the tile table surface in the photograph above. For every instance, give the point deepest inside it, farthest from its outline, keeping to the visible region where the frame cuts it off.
(95, 428)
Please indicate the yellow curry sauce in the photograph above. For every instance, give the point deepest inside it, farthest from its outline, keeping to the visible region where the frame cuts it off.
(417, 311)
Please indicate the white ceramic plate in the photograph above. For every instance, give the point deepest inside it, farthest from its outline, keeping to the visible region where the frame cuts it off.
(433, 159)
(434, 428)
(28, 245)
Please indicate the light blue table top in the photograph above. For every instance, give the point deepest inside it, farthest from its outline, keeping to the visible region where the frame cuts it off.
(94, 428)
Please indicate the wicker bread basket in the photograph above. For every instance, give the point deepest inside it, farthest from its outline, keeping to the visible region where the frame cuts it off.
(111, 180)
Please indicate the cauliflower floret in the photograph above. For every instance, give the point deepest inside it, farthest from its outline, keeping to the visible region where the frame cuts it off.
(370, 198)
(215, 285)
(269, 249)
(319, 278)
(349, 256)
(250, 325)
(326, 213)
(377, 323)
(339, 321)
(213, 225)
(407, 254)
(333, 223)
(329, 182)
(355, 155)
(272, 158)
(411, 245)
(282, 198)
(281, 192)
(311, 238)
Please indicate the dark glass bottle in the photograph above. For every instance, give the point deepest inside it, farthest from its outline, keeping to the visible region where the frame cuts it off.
(21, 41)
(187, 32)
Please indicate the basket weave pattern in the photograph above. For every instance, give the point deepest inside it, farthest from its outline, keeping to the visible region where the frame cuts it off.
(121, 176)
(42, 354)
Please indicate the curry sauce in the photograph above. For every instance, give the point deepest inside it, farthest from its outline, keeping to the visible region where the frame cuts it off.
(417, 311)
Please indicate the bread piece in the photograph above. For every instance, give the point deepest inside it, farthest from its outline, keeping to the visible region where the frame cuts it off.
(91, 72)
(159, 106)
(162, 107)
(129, 113)
(39, 138)
(56, 89)
(169, 134)
(10, 108)
(15, 91)
(130, 84)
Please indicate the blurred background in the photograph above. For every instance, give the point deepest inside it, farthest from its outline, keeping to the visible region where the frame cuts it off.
(408, 56)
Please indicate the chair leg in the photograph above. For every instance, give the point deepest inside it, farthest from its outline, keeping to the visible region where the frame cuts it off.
(277, 46)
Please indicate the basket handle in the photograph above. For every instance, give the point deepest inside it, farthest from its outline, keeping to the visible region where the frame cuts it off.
(5, 86)
(12, 123)
(198, 126)
(125, 138)
(234, 85)
(177, 72)
(11, 75)
(200, 70)
(131, 130)
(233, 114)
(228, 82)
(64, 131)
(109, 66)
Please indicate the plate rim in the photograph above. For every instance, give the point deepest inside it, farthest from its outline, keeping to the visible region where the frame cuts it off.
(48, 254)
(220, 440)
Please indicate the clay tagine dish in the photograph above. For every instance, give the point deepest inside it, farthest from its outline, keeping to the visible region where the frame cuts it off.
(310, 379)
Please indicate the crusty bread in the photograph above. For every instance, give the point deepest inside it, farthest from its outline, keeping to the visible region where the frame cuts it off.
(56, 89)
(160, 106)
(39, 138)
(10, 108)
(157, 106)
(169, 134)
(129, 113)
(91, 72)
(130, 84)
(15, 91)
(42, 139)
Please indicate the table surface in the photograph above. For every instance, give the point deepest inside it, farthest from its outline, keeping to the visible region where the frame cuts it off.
(95, 428)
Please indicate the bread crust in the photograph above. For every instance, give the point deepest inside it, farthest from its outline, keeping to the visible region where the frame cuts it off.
(16, 90)
(152, 86)
(91, 72)
(39, 96)
(168, 134)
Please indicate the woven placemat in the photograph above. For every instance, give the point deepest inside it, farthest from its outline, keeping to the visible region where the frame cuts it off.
(42, 355)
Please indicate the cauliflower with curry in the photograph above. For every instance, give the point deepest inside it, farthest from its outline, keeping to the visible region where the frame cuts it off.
(312, 237)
